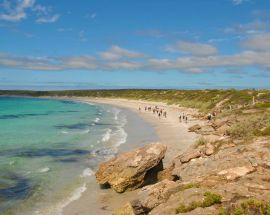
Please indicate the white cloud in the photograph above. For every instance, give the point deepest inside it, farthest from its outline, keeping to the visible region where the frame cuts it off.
(238, 2)
(82, 62)
(82, 36)
(48, 19)
(64, 29)
(197, 49)
(116, 53)
(93, 15)
(118, 58)
(248, 28)
(187, 64)
(258, 42)
(246, 58)
(18, 11)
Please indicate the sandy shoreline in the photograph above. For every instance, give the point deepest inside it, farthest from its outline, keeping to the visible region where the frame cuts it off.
(170, 132)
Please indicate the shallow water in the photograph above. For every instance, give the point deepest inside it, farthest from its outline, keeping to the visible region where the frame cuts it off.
(49, 148)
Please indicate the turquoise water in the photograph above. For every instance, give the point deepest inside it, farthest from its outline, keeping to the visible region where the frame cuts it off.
(49, 148)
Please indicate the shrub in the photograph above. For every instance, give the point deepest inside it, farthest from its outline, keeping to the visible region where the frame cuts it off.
(209, 200)
(201, 141)
(249, 127)
(266, 131)
(248, 207)
(191, 185)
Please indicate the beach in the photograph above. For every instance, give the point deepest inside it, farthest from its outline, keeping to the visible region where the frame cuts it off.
(169, 131)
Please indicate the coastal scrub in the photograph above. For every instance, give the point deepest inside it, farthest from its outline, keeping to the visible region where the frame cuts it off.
(209, 200)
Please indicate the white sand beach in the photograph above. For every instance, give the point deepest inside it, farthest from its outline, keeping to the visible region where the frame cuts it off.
(170, 132)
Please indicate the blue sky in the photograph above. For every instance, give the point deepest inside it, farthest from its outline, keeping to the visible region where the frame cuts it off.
(48, 44)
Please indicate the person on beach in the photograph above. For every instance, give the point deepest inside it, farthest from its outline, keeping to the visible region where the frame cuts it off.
(145, 108)
(165, 114)
(139, 108)
(159, 114)
(209, 117)
(186, 119)
(180, 118)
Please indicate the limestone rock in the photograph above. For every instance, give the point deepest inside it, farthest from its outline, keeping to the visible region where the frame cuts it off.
(189, 155)
(209, 149)
(194, 128)
(236, 172)
(205, 130)
(129, 170)
(125, 210)
(152, 196)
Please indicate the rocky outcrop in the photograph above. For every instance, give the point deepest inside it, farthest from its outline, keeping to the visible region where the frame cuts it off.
(194, 128)
(127, 209)
(205, 130)
(130, 170)
(187, 156)
(236, 172)
(152, 196)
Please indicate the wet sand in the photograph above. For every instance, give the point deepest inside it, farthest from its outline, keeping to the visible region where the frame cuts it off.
(169, 131)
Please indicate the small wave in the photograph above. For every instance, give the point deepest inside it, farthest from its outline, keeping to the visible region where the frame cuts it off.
(107, 135)
(64, 132)
(105, 152)
(44, 170)
(97, 119)
(87, 172)
(73, 197)
(11, 163)
(116, 113)
(122, 136)
(76, 132)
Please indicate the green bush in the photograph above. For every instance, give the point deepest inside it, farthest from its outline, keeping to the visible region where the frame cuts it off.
(250, 127)
(248, 207)
(209, 200)
(266, 131)
(191, 185)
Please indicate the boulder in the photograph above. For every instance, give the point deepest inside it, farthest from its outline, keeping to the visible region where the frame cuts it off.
(189, 155)
(236, 172)
(130, 170)
(166, 174)
(206, 130)
(152, 196)
(209, 149)
(125, 210)
(194, 128)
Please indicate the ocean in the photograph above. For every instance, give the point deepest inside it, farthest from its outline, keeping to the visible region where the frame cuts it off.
(49, 150)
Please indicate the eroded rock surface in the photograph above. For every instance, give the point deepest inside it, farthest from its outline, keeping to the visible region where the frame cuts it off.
(129, 170)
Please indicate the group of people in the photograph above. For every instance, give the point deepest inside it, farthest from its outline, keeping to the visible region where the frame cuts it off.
(156, 110)
(183, 118)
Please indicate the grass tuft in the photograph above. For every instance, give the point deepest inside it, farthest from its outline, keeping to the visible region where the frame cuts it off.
(201, 142)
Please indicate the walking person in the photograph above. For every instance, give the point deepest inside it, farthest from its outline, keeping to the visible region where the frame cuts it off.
(165, 114)
(180, 118)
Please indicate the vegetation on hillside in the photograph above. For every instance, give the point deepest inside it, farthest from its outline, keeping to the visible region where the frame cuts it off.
(204, 100)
